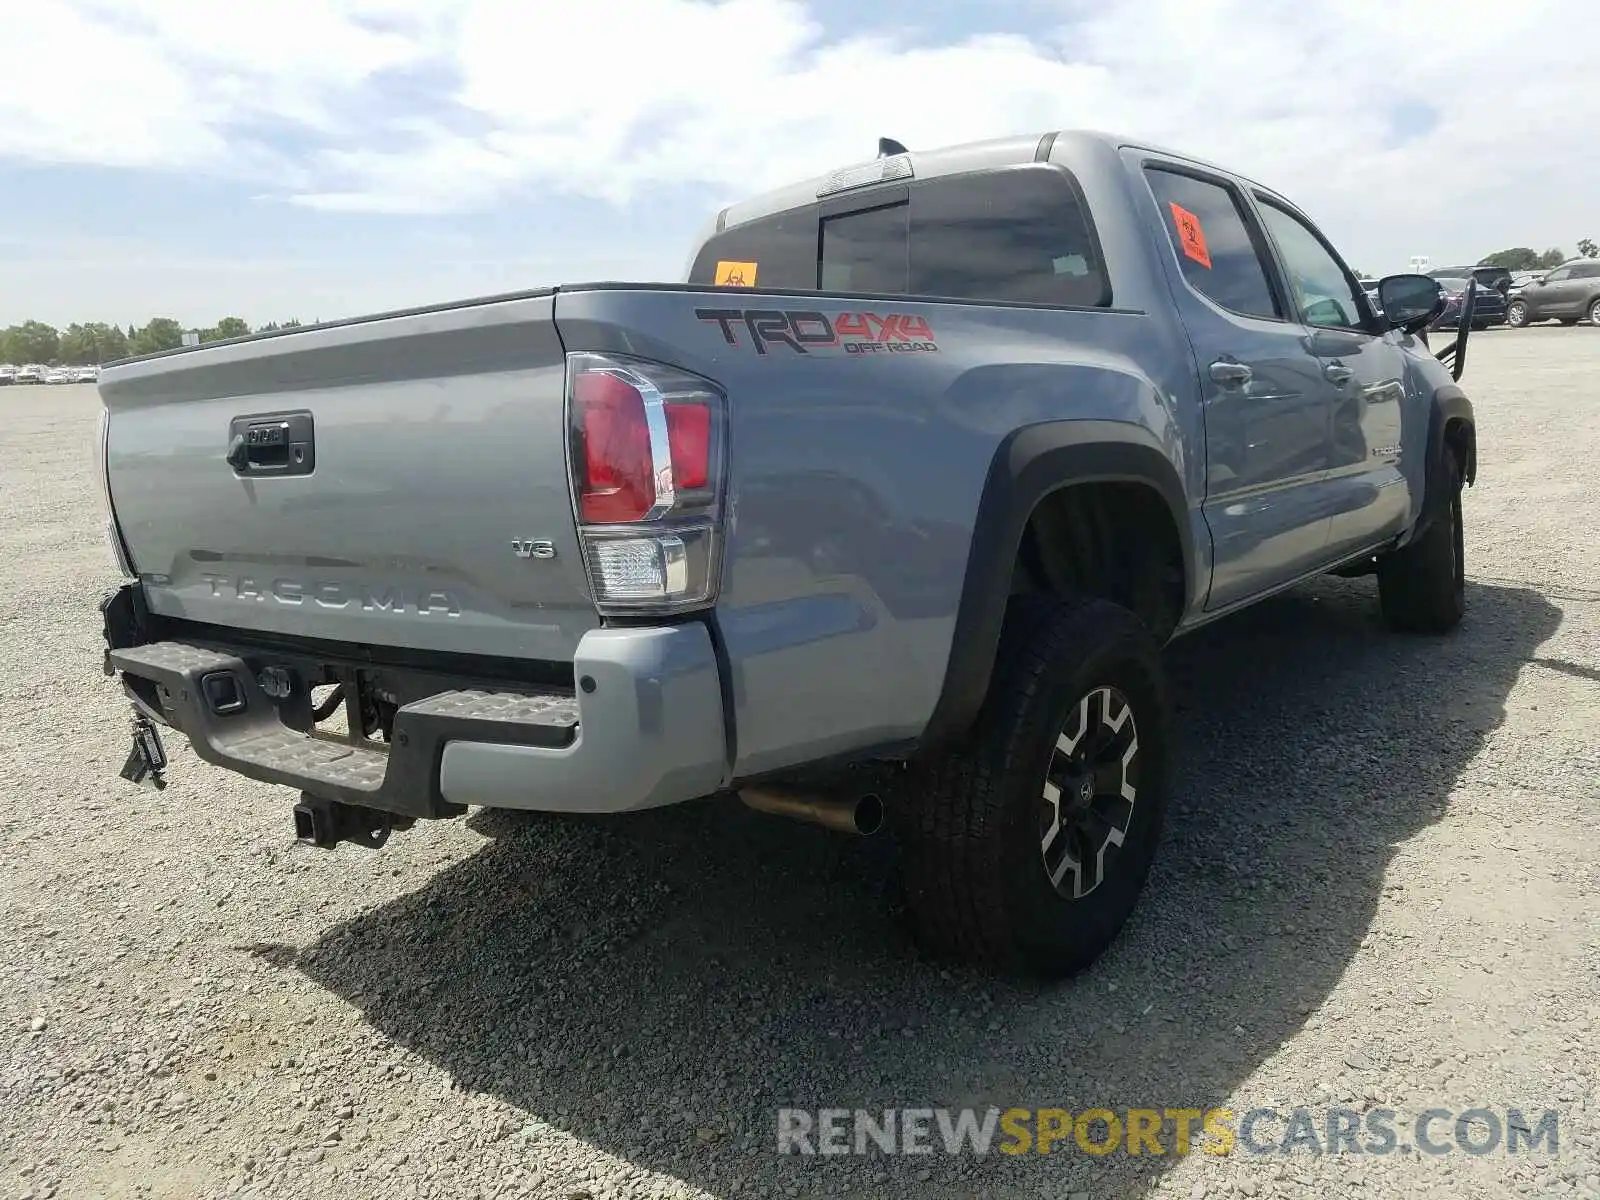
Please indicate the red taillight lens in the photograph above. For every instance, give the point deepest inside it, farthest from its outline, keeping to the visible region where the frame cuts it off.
(689, 435)
(617, 483)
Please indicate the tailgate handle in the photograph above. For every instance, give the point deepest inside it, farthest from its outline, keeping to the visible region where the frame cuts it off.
(272, 444)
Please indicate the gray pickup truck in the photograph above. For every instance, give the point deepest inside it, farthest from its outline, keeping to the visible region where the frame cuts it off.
(910, 480)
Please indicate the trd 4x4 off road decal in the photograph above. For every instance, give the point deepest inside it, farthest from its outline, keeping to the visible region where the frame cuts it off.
(804, 331)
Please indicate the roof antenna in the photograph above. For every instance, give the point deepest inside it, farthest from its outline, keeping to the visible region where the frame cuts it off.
(888, 146)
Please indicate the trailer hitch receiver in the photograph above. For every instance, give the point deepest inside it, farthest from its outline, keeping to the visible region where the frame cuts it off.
(326, 823)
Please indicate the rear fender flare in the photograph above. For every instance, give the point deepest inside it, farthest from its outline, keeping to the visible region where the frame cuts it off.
(1030, 464)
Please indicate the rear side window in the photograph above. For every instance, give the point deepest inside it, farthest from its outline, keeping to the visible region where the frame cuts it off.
(1018, 236)
(1586, 271)
(1213, 243)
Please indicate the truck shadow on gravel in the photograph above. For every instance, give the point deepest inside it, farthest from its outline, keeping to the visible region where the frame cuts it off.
(659, 985)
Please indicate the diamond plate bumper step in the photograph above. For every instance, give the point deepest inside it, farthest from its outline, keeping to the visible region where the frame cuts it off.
(197, 680)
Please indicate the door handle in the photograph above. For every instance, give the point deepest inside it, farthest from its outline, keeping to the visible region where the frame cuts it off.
(1231, 374)
(1337, 372)
(272, 444)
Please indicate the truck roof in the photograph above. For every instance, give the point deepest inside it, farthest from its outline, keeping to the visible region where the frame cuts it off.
(953, 159)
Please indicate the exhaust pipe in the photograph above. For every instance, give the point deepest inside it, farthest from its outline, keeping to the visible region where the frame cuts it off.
(861, 815)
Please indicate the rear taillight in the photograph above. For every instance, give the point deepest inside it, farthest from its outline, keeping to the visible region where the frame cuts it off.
(647, 450)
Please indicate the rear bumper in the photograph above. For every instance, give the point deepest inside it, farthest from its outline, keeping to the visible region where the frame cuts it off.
(650, 733)
(643, 726)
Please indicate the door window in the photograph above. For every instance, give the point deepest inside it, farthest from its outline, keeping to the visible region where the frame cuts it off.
(1323, 292)
(1211, 238)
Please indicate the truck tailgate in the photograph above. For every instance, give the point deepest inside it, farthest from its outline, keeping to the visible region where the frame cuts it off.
(400, 480)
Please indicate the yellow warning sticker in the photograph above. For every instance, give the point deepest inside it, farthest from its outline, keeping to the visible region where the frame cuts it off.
(736, 274)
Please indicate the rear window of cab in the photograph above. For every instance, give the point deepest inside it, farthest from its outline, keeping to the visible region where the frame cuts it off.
(1021, 235)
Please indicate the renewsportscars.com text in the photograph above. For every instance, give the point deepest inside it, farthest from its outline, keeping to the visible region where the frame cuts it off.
(1165, 1131)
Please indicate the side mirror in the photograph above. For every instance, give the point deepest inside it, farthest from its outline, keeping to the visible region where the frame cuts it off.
(1410, 302)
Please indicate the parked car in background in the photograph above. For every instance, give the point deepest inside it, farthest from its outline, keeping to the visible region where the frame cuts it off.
(1520, 280)
(32, 373)
(86, 375)
(60, 375)
(8, 374)
(1498, 278)
(1567, 294)
(1489, 308)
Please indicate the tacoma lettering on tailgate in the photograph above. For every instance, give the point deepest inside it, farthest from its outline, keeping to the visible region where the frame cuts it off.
(382, 598)
(806, 330)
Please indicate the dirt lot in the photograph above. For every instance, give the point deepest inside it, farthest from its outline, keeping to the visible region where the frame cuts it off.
(1381, 889)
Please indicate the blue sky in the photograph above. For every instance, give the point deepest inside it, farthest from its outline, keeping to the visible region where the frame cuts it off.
(323, 158)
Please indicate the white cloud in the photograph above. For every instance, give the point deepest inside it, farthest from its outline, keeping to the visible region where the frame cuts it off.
(609, 99)
(170, 83)
(136, 111)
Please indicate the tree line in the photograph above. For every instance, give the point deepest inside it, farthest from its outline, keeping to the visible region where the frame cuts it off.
(92, 343)
(1525, 258)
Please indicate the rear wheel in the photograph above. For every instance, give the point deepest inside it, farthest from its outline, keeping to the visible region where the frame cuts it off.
(1594, 311)
(1517, 314)
(1029, 843)
(1422, 587)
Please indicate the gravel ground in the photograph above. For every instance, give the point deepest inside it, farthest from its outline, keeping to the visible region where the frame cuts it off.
(1381, 888)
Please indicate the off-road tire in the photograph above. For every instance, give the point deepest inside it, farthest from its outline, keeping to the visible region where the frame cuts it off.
(976, 884)
(1422, 586)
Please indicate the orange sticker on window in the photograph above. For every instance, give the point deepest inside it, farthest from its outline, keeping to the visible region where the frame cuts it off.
(736, 274)
(1191, 238)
